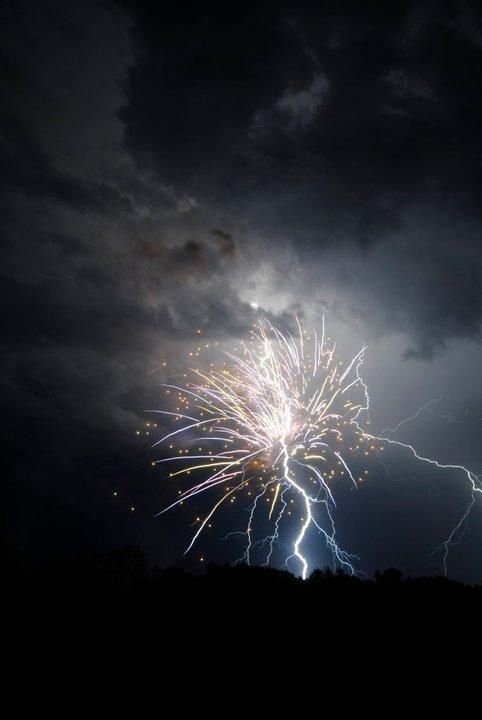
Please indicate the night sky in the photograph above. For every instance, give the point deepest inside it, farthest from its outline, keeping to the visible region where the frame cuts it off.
(169, 167)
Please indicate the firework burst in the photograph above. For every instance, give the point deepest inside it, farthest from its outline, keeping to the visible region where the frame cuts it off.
(277, 426)
(284, 415)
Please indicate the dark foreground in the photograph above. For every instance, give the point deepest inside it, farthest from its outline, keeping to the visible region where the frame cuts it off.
(113, 628)
(94, 588)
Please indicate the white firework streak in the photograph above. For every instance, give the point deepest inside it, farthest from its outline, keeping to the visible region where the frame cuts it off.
(284, 406)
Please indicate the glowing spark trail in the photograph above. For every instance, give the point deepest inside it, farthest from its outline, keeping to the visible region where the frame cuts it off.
(277, 427)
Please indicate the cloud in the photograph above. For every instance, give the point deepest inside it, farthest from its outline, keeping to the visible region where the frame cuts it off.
(381, 111)
(302, 105)
(226, 243)
(356, 121)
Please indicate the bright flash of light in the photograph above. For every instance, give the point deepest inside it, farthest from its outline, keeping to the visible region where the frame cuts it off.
(275, 427)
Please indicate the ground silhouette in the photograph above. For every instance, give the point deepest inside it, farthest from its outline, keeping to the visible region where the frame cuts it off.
(124, 577)
(114, 616)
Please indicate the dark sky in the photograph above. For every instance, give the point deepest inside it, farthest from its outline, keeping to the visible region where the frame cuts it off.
(166, 165)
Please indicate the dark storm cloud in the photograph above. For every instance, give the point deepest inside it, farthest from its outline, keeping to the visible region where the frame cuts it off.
(25, 167)
(452, 302)
(326, 125)
(72, 324)
(226, 243)
(281, 98)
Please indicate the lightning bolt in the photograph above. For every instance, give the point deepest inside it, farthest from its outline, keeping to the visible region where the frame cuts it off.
(285, 406)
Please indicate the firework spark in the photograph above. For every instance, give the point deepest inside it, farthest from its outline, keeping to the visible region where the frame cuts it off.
(279, 424)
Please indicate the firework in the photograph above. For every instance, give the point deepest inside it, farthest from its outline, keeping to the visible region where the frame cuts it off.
(276, 426)
(283, 416)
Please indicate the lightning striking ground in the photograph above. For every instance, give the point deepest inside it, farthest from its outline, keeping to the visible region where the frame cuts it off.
(276, 427)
